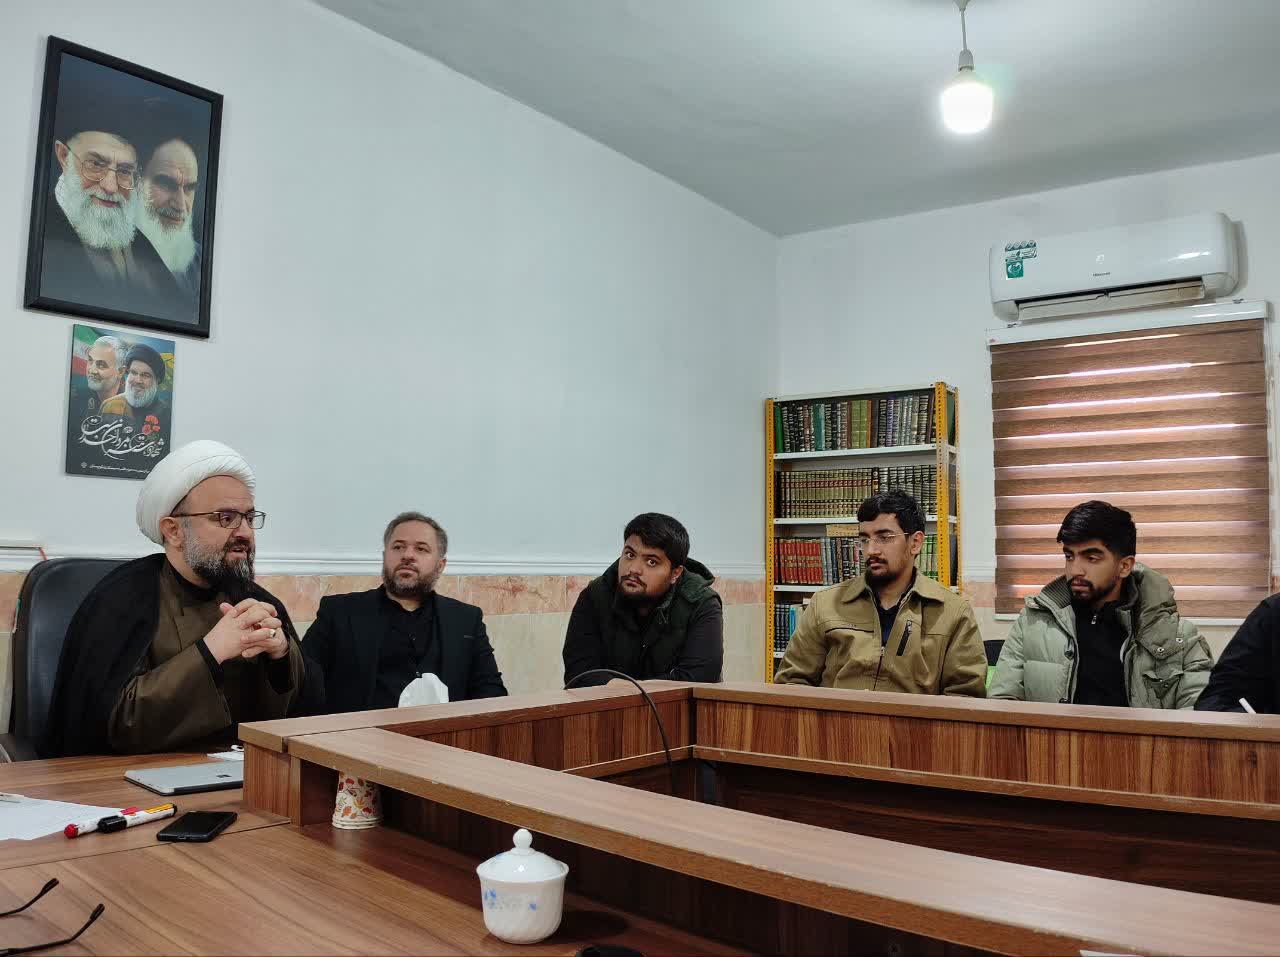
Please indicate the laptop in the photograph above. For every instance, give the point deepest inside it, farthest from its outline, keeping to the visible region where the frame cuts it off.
(189, 778)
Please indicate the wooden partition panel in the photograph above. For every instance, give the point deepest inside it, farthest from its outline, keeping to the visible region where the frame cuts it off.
(578, 742)
(266, 780)
(426, 720)
(590, 733)
(1179, 761)
(1224, 856)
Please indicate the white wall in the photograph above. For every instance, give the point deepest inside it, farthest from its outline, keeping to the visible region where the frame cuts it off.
(905, 300)
(457, 304)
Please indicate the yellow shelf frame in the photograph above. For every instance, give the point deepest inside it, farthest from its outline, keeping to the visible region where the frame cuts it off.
(946, 457)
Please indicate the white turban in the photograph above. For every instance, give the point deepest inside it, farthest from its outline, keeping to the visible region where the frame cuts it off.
(178, 473)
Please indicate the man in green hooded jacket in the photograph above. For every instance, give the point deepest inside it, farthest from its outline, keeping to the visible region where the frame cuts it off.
(652, 614)
(1107, 632)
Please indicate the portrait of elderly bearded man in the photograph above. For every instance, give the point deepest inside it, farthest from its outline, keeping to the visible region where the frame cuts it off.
(169, 179)
(90, 251)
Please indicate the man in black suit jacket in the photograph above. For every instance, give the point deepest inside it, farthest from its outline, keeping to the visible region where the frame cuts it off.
(364, 648)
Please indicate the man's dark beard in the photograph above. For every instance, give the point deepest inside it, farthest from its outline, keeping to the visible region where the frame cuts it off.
(642, 601)
(1087, 599)
(231, 578)
(883, 576)
(419, 590)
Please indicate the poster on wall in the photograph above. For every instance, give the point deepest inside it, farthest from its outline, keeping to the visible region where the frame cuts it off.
(123, 201)
(120, 403)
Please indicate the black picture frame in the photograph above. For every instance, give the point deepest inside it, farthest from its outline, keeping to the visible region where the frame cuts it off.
(122, 282)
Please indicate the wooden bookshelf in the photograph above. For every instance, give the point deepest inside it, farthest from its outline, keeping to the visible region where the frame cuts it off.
(824, 454)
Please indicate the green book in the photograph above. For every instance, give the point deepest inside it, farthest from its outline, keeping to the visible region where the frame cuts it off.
(777, 427)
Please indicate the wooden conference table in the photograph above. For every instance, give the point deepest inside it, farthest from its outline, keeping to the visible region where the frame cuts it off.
(794, 820)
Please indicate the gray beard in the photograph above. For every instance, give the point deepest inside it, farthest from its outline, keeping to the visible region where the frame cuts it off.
(96, 385)
(231, 578)
(97, 227)
(176, 247)
(141, 402)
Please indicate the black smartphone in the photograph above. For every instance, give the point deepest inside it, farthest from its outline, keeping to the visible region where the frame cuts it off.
(197, 826)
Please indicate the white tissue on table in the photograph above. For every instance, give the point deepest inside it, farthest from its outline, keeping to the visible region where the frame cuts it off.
(425, 689)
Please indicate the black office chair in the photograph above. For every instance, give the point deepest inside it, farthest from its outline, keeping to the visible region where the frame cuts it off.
(50, 595)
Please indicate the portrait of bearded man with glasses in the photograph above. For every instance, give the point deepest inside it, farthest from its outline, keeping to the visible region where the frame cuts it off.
(118, 218)
(91, 250)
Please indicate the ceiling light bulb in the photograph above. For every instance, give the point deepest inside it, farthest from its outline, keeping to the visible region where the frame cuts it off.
(967, 103)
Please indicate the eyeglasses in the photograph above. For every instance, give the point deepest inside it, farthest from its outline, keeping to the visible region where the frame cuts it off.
(880, 539)
(95, 170)
(10, 951)
(229, 518)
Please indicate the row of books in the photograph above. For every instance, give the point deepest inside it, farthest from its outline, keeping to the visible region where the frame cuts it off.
(927, 560)
(785, 619)
(837, 493)
(816, 561)
(829, 560)
(831, 425)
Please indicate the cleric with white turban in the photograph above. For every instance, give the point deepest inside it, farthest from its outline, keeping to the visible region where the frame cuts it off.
(173, 650)
(181, 471)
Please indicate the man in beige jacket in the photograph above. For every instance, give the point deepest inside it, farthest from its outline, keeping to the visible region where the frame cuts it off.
(890, 629)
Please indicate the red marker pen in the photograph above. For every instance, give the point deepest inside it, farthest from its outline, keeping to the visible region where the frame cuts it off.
(118, 822)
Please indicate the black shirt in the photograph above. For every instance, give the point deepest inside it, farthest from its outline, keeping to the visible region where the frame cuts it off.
(408, 648)
(1100, 672)
(889, 615)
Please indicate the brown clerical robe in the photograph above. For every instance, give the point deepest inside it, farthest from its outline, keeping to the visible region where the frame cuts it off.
(180, 695)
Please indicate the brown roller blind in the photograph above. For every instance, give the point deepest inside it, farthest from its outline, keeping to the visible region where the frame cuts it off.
(1170, 424)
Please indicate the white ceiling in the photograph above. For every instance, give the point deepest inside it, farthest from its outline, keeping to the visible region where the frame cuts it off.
(800, 114)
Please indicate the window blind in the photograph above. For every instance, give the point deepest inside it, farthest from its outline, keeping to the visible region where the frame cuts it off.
(1168, 423)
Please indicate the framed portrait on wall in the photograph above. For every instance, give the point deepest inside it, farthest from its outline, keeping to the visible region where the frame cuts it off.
(122, 208)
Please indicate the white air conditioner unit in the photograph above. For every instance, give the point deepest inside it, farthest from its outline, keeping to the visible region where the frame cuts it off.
(1127, 267)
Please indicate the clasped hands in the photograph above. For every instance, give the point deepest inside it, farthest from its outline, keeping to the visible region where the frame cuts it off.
(247, 630)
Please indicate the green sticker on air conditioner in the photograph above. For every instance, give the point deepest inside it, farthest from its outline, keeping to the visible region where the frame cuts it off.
(1013, 268)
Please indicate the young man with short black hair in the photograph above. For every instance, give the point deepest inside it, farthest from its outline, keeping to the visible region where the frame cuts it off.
(652, 614)
(1107, 632)
(891, 628)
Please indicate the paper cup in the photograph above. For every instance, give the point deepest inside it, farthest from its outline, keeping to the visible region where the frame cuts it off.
(359, 804)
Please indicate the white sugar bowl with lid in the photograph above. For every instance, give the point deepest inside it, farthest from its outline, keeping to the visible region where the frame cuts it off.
(522, 892)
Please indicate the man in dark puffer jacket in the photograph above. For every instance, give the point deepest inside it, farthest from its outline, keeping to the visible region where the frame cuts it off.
(652, 614)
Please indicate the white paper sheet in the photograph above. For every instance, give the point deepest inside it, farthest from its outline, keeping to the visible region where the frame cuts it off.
(32, 818)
